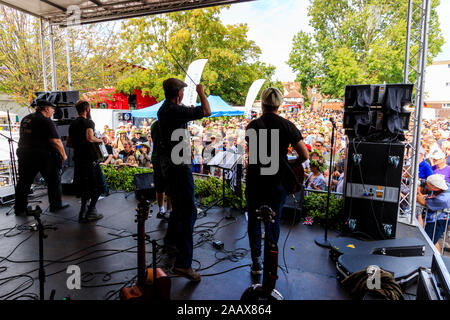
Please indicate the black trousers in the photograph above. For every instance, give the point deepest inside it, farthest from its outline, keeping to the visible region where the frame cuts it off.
(30, 163)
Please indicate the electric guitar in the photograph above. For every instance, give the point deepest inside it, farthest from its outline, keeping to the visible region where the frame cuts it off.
(152, 283)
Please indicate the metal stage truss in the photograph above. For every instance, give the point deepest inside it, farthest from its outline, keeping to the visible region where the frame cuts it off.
(66, 12)
(416, 50)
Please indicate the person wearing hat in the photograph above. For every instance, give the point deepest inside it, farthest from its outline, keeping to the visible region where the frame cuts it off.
(436, 200)
(173, 118)
(40, 150)
(138, 138)
(439, 164)
(143, 155)
(88, 176)
(269, 188)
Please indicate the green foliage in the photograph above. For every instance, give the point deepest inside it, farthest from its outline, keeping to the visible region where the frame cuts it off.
(210, 190)
(315, 205)
(92, 50)
(122, 178)
(356, 42)
(162, 43)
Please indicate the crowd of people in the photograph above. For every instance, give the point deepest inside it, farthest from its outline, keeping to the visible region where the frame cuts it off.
(131, 145)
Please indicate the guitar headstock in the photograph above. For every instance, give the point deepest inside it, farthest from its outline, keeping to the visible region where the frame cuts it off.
(266, 214)
(143, 209)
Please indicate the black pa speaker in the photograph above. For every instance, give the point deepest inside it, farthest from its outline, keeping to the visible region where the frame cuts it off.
(372, 187)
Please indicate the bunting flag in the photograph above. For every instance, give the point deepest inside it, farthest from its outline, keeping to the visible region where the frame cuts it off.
(193, 76)
(251, 96)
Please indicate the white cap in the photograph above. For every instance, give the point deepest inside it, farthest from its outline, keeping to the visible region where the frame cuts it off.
(438, 180)
(437, 155)
(272, 97)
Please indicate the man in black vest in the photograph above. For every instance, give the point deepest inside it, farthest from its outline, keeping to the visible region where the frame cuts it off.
(88, 177)
(175, 159)
(40, 150)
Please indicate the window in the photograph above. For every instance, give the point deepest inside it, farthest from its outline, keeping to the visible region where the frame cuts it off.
(446, 105)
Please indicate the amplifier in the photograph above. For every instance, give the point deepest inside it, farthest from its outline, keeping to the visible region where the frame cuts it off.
(372, 188)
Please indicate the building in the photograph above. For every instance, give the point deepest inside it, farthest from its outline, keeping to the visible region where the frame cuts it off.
(291, 94)
(7, 103)
(437, 88)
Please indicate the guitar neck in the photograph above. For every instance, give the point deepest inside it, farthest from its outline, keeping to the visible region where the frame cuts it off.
(141, 263)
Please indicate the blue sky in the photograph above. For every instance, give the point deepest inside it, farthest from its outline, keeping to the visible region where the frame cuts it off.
(273, 24)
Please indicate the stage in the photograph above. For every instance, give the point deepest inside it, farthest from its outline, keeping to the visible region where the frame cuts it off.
(105, 251)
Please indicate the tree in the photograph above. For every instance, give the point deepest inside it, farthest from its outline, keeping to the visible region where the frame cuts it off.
(167, 44)
(356, 42)
(91, 47)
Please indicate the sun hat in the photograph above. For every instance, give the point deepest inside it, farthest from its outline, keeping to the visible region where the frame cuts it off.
(438, 180)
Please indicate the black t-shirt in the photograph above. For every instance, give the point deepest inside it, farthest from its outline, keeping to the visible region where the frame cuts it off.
(171, 117)
(83, 149)
(35, 132)
(288, 135)
(126, 154)
(109, 148)
(140, 140)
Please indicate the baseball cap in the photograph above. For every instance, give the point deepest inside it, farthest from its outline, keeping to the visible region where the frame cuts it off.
(438, 180)
(438, 155)
(271, 97)
(172, 85)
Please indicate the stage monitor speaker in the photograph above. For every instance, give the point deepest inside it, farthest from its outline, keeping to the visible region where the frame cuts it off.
(372, 188)
(61, 97)
(144, 186)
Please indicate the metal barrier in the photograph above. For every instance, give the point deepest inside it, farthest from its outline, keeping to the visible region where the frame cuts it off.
(447, 217)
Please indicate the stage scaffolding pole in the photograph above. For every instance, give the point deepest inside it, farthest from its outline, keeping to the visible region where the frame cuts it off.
(417, 33)
(44, 65)
(52, 59)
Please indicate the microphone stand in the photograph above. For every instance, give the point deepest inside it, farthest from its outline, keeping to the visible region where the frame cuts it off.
(323, 241)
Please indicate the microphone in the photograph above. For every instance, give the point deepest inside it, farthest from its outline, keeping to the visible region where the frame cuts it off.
(332, 122)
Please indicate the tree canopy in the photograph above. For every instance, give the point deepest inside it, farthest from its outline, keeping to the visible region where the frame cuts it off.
(167, 44)
(91, 51)
(356, 42)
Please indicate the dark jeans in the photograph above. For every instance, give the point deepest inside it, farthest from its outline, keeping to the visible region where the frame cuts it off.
(89, 180)
(30, 163)
(184, 214)
(274, 197)
(440, 229)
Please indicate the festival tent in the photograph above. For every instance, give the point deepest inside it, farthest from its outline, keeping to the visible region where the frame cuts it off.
(219, 108)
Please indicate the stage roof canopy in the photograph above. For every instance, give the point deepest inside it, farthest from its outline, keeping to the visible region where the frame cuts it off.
(57, 12)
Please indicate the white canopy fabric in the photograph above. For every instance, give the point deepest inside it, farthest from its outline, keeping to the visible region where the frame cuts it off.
(57, 12)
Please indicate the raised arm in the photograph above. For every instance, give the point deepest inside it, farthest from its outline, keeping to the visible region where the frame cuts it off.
(203, 100)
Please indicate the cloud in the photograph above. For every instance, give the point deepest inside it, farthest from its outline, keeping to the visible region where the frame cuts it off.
(272, 25)
(443, 10)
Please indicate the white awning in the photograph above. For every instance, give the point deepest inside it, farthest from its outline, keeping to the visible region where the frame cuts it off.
(58, 12)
